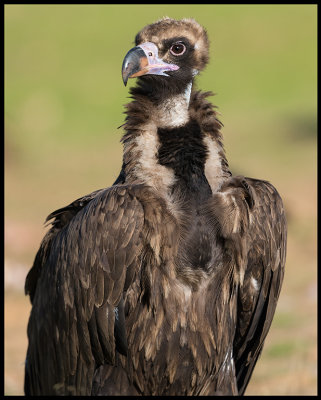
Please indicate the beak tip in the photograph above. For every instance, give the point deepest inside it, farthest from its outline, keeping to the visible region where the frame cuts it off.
(125, 80)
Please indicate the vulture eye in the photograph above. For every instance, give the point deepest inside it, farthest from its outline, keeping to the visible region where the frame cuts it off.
(178, 49)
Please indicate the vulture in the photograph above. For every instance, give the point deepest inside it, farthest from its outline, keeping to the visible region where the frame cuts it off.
(166, 282)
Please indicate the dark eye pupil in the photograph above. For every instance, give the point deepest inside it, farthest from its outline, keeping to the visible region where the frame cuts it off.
(178, 48)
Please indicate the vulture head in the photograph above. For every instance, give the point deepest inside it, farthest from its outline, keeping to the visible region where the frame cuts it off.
(168, 54)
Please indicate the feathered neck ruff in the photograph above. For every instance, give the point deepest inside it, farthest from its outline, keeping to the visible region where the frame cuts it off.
(145, 117)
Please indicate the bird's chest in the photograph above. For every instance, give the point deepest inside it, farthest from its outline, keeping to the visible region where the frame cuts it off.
(178, 343)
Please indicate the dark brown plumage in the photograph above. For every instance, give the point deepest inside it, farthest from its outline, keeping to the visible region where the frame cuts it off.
(167, 282)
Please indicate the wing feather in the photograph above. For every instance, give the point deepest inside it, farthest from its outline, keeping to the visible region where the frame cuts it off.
(263, 278)
(76, 287)
(249, 215)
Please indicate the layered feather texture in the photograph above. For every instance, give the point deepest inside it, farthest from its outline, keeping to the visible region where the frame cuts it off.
(167, 282)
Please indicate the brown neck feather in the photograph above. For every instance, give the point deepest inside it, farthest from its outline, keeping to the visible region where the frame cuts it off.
(141, 142)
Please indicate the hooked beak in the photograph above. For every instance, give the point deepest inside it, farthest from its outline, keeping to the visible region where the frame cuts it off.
(143, 60)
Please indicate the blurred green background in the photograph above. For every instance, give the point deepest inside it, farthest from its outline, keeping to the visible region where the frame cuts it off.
(64, 100)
